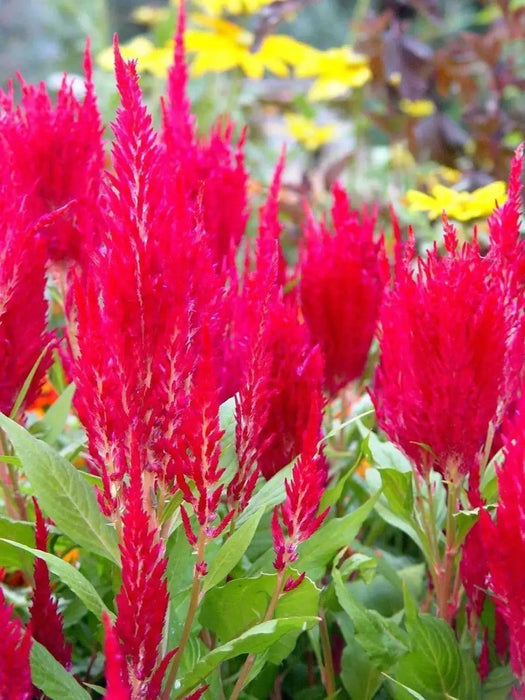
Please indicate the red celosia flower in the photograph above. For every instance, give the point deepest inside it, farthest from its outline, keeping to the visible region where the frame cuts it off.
(15, 646)
(199, 450)
(143, 598)
(341, 280)
(46, 621)
(292, 374)
(213, 168)
(298, 513)
(504, 540)
(117, 685)
(138, 297)
(444, 346)
(55, 154)
(23, 309)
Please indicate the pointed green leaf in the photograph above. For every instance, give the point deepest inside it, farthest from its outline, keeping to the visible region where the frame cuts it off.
(70, 577)
(380, 637)
(52, 678)
(435, 667)
(20, 532)
(52, 424)
(63, 494)
(320, 548)
(231, 551)
(255, 641)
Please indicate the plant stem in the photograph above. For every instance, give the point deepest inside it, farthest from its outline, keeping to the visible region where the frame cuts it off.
(250, 660)
(445, 590)
(192, 609)
(328, 670)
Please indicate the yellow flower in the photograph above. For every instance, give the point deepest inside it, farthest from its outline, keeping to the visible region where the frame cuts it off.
(461, 206)
(417, 108)
(149, 57)
(233, 7)
(334, 70)
(308, 133)
(224, 45)
(149, 15)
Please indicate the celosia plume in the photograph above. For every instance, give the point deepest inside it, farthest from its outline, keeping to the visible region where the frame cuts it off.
(444, 340)
(46, 621)
(504, 542)
(56, 156)
(199, 450)
(297, 518)
(142, 601)
(214, 171)
(341, 284)
(138, 295)
(23, 308)
(117, 685)
(15, 646)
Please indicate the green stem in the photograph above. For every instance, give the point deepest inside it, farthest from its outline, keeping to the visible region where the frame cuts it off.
(328, 671)
(250, 659)
(192, 609)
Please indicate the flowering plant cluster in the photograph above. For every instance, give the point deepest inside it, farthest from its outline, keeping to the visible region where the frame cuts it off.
(214, 505)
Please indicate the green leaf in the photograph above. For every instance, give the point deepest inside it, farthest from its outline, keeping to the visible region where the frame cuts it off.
(435, 667)
(20, 532)
(498, 684)
(397, 488)
(52, 678)
(63, 494)
(52, 424)
(228, 458)
(359, 676)
(231, 551)
(383, 509)
(321, 547)
(380, 637)
(385, 454)
(254, 641)
(231, 609)
(465, 521)
(362, 563)
(25, 387)
(69, 576)
(410, 691)
(271, 494)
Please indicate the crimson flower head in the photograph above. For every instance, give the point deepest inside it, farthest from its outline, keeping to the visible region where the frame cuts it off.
(15, 646)
(504, 541)
(341, 286)
(289, 373)
(23, 308)
(299, 512)
(213, 166)
(55, 154)
(443, 338)
(47, 623)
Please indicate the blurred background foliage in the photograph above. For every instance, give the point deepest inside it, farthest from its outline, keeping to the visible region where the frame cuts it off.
(415, 103)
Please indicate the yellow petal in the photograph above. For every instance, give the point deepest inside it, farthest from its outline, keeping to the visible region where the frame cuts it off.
(417, 108)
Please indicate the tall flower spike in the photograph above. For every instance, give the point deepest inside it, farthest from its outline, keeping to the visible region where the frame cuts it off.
(15, 646)
(200, 449)
(138, 294)
(23, 308)
(213, 168)
(143, 598)
(56, 156)
(293, 374)
(46, 621)
(117, 687)
(297, 518)
(504, 540)
(341, 286)
(443, 348)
